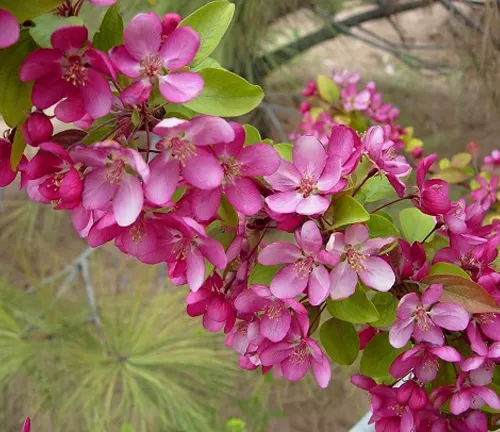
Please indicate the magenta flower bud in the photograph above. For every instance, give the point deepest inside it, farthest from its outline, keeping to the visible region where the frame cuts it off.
(27, 425)
(170, 23)
(305, 107)
(411, 394)
(10, 29)
(37, 129)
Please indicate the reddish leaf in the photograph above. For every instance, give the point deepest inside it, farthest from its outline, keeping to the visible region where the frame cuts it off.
(69, 137)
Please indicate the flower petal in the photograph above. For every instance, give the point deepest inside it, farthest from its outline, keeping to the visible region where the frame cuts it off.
(142, 36)
(10, 29)
(207, 130)
(313, 205)
(96, 94)
(69, 38)
(258, 160)
(377, 274)
(49, 90)
(275, 326)
(137, 93)
(203, 170)
(284, 202)
(244, 196)
(181, 87)
(195, 270)
(128, 202)
(407, 306)
(279, 253)
(124, 62)
(356, 234)
(163, 178)
(97, 191)
(295, 368)
(206, 203)
(322, 371)
(180, 48)
(319, 285)
(331, 174)
(285, 178)
(70, 109)
(309, 156)
(287, 283)
(343, 281)
(449, 316)
(309, 238)
(400, 333)
(40, 63)
(460, 402)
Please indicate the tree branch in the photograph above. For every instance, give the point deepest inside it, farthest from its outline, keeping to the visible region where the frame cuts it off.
(284, 54)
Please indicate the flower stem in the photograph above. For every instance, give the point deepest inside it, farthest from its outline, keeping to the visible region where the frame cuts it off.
(370, 174)
(316, 318)
(392, 202)
(436, 227)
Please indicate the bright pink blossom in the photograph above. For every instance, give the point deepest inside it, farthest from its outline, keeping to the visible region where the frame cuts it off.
(239, 164)
(358, 260)
(37, 129)
(465, 395)
(7, 174)
(277, 314)
(112, 180)
(423, 318)
(474, 421)
(413, 261)
(71, 71)
(423, 360)
(305, 265)
(301, 187)
(146, 58)
(433, 194)
(381, 151)
(354, 101)
(345, 143)
(343, 78)
(53, 178)
(486, 193)
(184, 150)
(102, 2)
(245, 336)
(10, 29)
(293, 356)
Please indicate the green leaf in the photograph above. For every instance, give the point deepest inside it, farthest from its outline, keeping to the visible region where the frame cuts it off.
(225, 94)
(386, 305)
(18, 147)
(209, 62)
(227, 213)
(262, 275)
(210, 22)
(218, 231)
(28, 9)
(447, 268)
(347, 211)
(252, 134)
(415, 224)
(354, 309)
(380, 226)
(127, 428)
(464, 292)
(328, 90)
(136, 117)
(376, 189)
(15, 96)
(45, 25)
(340, 340)
(284, 150)
(378, 356)
(110, 32)
(451, 175)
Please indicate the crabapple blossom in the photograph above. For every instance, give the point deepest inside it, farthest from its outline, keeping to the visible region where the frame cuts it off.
(302, 185)
(425, 317)
(10, 29)
(432, 196)
(37, 129)
(304, 265)
(358, 260)
(72, 71)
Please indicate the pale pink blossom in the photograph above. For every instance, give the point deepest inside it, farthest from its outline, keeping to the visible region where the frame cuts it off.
(423, 318)
(358, 260)
(301, 186)
(10, 29)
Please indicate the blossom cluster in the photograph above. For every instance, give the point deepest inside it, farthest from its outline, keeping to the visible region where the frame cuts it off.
(274, 241)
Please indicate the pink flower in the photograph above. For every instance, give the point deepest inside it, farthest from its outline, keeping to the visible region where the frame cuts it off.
(52, 177)
(277, 314)
(432, 196)
(482, 365)
(354, 101)
(27, 425)
(465, 395)
(304, 267)
(102, 2)
(292, 357)
(345, 143)
(474, 421)
(413, 261)
(185, 150)
(301, 187)
(110, 181)
(489, 323)
(37, 129)
(486, 193)
(215, 306)
(186, 244)
(358, 260)
(423, 360)
(343, 78)
(245, 337)
(145, 57)
(7, 175)
(384, 156)
(493, 159)
(10, 29)
(170, 23)
(71, 71)
(423, 318)
(239, 164)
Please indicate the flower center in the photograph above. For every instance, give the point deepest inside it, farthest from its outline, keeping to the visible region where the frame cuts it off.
(390, 153)
(299, 354)
(151, 66)
(75, 71)
(137, 231)
(355, 259)
(115, 171)
(307, 185)
(231, 168)
(303, 267)
(423, 320)
(55, 181)
(274, 310)
(486, 318)
(181, 149)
